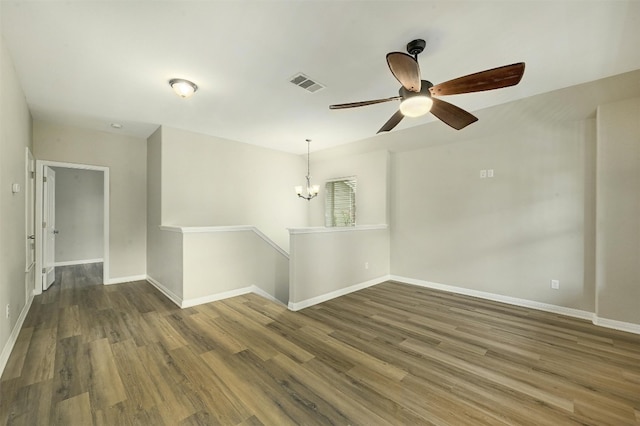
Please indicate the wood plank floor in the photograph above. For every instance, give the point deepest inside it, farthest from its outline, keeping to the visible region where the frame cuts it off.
(391, 354)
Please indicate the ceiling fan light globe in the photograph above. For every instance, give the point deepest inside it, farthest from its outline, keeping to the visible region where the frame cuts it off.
(416, 106)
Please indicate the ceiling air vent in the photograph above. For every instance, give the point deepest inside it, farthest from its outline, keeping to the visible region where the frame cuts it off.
(306, 83)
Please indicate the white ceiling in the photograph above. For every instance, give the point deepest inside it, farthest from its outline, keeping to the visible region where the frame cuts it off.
(91, 63)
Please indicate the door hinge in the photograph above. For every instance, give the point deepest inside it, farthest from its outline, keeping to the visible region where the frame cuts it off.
(44, 270)
(33, 175)
(44, 224)
(44, 179)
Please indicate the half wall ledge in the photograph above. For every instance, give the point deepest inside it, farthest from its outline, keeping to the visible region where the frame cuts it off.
(230, 228)
(319, 229)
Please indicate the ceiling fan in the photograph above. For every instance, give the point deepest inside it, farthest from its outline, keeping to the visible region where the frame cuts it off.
(421, 96)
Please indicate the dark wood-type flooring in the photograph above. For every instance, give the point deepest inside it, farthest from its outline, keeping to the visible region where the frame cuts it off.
(390, 354)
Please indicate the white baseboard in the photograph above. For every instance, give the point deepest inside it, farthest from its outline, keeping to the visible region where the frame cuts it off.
(576, 313)
(616, 325)
(162, 289)
(78, 262)
(337, 293)
(13, 337)
(120, 280)
(260, 292)
(187, 303)
(562, 310)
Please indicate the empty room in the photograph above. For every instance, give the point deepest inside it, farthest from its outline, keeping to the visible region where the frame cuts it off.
(266, 212)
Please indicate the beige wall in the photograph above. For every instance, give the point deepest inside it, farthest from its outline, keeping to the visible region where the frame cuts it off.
(372, 173)
(218, 262)
(126, 159)
(333, 262)
(196, 180)
(164, 249)
(507, 235)
(618, 212)
(15, 137)
(209, 181)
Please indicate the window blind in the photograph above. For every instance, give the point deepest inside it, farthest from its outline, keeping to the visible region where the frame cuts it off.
(340, 202)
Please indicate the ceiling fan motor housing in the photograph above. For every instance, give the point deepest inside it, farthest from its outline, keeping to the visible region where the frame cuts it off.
(424, 90)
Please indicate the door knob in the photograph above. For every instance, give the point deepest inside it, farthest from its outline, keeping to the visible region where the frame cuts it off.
(55, 231)
(31, 237)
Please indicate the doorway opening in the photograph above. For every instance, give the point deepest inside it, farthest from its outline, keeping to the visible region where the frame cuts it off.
(95, 219)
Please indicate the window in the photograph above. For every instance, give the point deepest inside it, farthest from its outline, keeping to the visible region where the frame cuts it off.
(340, 202)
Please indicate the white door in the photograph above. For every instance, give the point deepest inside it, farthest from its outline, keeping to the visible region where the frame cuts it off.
(48, 227)
(30, 195)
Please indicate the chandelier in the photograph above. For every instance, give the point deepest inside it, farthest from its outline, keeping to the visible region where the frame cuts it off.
(312, 190)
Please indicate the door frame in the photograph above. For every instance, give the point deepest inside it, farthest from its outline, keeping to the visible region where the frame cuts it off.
(40, 165)
(30, 214)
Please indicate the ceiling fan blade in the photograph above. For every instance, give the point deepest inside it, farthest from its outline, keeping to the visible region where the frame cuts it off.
(364, 103)
(392, 122)
(405, 69)
(496, 78)
(451, 114)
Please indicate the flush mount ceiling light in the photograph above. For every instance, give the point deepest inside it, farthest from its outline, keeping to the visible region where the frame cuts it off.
(183, 88)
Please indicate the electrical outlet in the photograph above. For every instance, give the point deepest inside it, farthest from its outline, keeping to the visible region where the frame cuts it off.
(483, 174)
(555, 284)
(366, 265)
(490, 173)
